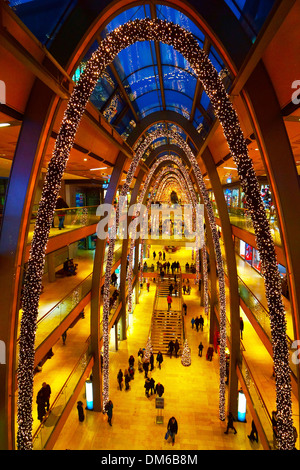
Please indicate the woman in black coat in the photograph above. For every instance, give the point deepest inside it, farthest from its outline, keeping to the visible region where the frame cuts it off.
(172, 428)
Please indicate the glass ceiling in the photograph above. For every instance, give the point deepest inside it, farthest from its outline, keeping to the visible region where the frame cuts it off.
(146, 77)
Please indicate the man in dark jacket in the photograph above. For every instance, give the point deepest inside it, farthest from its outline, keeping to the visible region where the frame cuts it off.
(159, 389)
(172, 428)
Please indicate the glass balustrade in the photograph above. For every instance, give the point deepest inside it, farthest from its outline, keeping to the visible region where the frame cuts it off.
(73, 218)
(57, 408)
(257, 401)
(261, 315)
(62, 309)
(241, 218)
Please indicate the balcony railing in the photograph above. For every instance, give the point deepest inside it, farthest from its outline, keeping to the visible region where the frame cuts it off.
(257, 402)
(46, 428)
(261, 315)
(240, 218)
(74, 218)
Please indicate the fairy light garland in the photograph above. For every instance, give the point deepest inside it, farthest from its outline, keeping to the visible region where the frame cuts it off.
(180, 142)
(188, 183)
(186, 44)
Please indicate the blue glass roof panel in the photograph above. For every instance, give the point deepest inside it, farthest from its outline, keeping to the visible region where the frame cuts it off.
(178, 100)
(169, 56)
(142, 81)
(148, 101)
(170, 14)
(251, 15)
(179, 80)
(43, 18)
(134, 13)
(133, 58)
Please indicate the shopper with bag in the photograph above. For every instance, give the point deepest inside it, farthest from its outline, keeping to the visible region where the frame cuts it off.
(172, 429)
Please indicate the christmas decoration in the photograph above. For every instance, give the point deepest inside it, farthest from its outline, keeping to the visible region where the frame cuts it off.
(148, 350)
(187, 45)
(186, 359)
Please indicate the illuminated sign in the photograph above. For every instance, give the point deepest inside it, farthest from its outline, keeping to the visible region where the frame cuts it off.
(89, 395)
(242, 404)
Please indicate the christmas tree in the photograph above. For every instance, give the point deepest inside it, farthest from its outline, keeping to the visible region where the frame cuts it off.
(148, 350)
(186, 355)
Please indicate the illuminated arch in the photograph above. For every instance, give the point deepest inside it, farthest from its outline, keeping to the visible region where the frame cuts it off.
(183, 42)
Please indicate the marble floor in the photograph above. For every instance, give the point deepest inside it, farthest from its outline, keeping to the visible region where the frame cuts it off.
(191, 393)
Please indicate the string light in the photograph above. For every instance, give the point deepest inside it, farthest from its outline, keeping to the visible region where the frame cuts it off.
(187, 45)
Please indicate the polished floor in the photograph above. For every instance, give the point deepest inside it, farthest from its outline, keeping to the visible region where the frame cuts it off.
(191, 393)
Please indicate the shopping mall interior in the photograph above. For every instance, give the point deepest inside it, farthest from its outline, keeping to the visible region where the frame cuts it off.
(110, 111)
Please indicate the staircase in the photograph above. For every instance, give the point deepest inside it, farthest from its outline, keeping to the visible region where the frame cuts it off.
(167, 326)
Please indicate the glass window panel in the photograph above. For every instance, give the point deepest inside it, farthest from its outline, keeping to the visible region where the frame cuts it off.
(179, 80)
(104, 89)
(148, 101)
(114, 107)
(179, 100)
(126, 125)
(142, 81)
(133, 58)
(169, 56)
(128, 15)
(216, 59)
(251, 14)
(204, 100)
(43, 18)
(167, 13)
(151, 110)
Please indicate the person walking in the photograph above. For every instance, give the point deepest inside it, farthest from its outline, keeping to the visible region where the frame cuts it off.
(210, 352)
(80, 411)
(147, 386)
(170, 348)
(120, 378)
(197, 320)
(146, 367)
(176, 347)
(46, 392)
(200, 348)
(159, 359)
(41, 406)
(152, 385)
(172, 429)
(169, 300)
(241, 326)
(193, 322)
(184, 306)
(201, 322)
(131, 361)
(159, 389)
(230, 420)
(151, 361)
(109, 411)
(253, 436)
(126, 379)
(61, 204)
